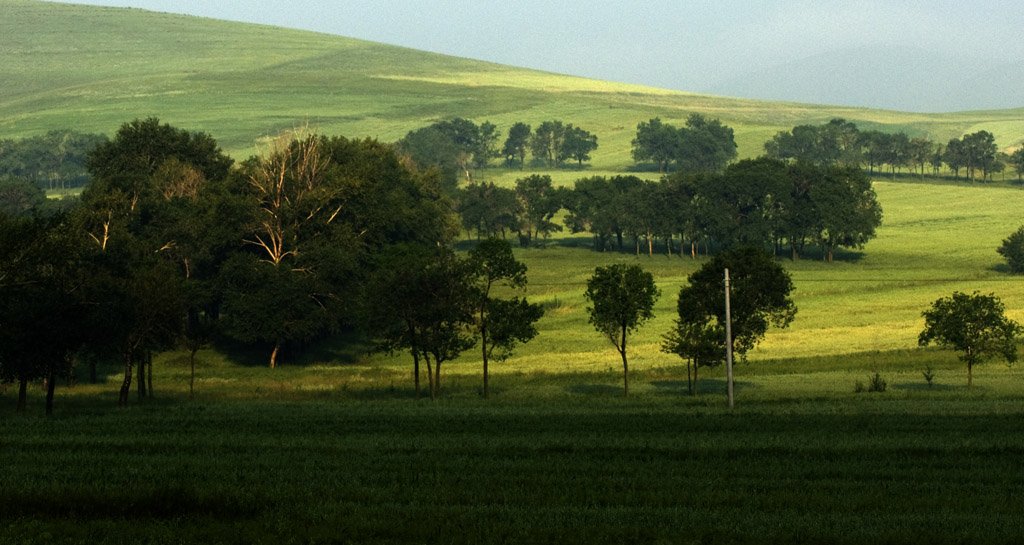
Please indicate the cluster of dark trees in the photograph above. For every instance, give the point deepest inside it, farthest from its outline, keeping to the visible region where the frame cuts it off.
(762, 202)
(55, 160)
(456, 146)
(172, 244)
(701, 145)
(840, 142)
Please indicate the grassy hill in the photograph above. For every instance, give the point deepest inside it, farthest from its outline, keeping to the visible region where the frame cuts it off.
(93, 68)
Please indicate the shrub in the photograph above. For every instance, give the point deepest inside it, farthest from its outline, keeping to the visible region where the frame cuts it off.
(877, 383)
(928, 374)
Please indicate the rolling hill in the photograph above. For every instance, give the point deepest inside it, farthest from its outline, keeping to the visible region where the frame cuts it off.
(93, 68)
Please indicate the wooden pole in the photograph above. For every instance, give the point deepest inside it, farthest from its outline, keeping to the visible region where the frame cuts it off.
(728, 341)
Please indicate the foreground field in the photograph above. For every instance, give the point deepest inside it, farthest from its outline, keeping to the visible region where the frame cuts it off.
(914, 467)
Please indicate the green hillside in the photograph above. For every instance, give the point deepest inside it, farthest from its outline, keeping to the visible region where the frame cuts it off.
(92, 68)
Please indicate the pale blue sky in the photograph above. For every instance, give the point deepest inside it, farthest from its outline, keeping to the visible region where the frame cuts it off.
(692, 45)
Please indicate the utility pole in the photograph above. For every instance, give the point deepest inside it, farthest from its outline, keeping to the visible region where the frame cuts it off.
(728, 340)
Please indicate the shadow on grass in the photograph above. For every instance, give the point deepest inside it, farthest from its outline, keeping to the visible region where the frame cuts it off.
(704, 385)
(1001, 268)
(595, 389)
(921, 387)
(346, 348)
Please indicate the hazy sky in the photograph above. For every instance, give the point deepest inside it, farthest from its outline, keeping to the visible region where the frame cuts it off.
(678, 44)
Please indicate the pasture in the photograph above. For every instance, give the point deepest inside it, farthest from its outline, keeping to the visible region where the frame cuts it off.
(334, 447)
(93, 68)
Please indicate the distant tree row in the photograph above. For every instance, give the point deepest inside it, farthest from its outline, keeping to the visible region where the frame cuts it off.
(55, 160)
(840, 142)
(762, 202)
(455, 146)
(701, 145)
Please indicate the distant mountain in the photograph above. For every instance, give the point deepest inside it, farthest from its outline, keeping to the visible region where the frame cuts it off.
(904, 79)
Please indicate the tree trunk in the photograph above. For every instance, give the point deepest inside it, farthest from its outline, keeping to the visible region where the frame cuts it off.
(416, 370)
(430, 376)
(149, 373)
(50, 385)
(192, 367)
(625, 364)
(22, 395)
(650, 245)
(696, 367)
(92, 371)
(483, 350)
(437, 377)
(126, 385)
(273, 355)
(689, 378)
(970, 364)
(141, 380)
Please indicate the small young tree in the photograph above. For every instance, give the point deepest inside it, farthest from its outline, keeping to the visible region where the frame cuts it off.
(1012, 251)
(972, 324)
(700, 344)
(623, 299)
(501, 323)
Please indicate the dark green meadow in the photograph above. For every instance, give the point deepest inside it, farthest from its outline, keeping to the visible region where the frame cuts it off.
(912, 467)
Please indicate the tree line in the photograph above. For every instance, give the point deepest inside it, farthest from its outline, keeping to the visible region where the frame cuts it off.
(455, 146)
(840, 142)
(173, 244)
(55, 160)
(762, 202)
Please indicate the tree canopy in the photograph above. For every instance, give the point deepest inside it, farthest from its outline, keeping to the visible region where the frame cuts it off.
(622, 298)
(974, 325)
(760, 297)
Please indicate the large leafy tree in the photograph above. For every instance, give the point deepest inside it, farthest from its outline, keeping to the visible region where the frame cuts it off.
(577, 144)
(517, 143)
(488, 209)
(705, 144)
(656, 141)
(41, 279)
(501, 323)
(539, 202)
(974, 325)
(622, 298)
(145, 237)
(760, 298)
(846, 207)
(318, 208)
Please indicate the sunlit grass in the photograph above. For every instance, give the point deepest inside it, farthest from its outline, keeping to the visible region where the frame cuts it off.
(92, 69)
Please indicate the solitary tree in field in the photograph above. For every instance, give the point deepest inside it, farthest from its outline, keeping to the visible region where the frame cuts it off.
(623, 299)
(974, 325)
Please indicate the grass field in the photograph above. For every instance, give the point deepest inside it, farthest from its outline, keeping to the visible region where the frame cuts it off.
(92, 69)
(334, 447)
